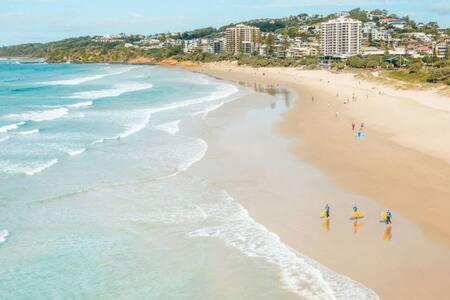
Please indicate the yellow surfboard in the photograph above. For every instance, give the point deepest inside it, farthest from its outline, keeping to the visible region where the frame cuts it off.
(383, 216)
(357, 215)
(323, 214)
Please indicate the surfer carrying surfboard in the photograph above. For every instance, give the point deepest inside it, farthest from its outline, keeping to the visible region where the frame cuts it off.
(388, 217)
(327, 211)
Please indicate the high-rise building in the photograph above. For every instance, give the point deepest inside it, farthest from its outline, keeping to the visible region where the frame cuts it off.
(340, 37)
(242, 39)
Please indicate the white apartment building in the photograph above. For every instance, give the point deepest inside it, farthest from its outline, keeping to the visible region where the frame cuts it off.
(340, 37)
(242, 39)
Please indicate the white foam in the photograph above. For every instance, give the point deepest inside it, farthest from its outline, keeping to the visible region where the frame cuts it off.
(29, 169)
(221, 92)
(80, 80)
(40, 116)
(204, 113)
(198, 156)
(135, 127)
(114, 92)
(99, 141)
(76, 152)
(29, 132)
(299, 274)
(10, 127)
(3, 235)
(75, 81)
(80, 104)
(171, 127)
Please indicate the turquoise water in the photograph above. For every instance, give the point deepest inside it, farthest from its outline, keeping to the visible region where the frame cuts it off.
(96, 199)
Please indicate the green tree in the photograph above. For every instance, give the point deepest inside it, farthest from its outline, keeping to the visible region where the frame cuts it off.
(356, 62)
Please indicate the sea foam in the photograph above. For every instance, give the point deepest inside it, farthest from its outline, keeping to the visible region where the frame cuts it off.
(30, 169)
(40, 116)
(171, 127)
(3, 235)
(28, 132)
(113, 92)
(198, 156)
(76, 152)
(204, 113)
(80, 80)
(223, 91)
(74, 81)
(10, 127)
(80, 104)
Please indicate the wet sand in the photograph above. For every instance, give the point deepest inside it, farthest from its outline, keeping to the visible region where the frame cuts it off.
(284, 170)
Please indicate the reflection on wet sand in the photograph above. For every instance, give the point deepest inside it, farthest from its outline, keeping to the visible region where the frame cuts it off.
(273, 90)
(326, 225)
(357, 226)
(387, 235)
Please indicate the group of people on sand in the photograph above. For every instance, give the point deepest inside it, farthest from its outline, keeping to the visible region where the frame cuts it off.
(387, 216)
(360, 131)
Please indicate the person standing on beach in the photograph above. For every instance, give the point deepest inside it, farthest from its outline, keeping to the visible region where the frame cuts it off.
(362, 126)
(353, 126)
(327, 211)
(388, 217)
(312, 99)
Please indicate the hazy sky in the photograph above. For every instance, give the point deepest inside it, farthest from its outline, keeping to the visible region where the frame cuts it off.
(24, 21)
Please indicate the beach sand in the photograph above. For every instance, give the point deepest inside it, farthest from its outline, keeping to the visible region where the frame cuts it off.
(284, 170)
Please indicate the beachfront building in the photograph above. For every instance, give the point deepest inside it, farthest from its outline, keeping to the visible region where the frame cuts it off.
(340, 38)
(242, 39)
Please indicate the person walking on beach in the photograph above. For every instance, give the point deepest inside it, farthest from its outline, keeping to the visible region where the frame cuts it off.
(353, 126)
(312, 99)
(388, 217)
(327, 211)
(362, 126)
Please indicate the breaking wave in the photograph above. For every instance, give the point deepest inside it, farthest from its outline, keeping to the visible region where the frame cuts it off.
(40, 116)
(29, 169)
(10, 127)
(113, 92)
(80, 105)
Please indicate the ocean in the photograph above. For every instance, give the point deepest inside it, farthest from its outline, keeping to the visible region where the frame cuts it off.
(97, 201)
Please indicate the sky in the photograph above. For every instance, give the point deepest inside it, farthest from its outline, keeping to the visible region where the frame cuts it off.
(24, 21)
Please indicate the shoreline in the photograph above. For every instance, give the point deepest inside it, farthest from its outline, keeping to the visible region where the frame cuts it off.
(425, 268)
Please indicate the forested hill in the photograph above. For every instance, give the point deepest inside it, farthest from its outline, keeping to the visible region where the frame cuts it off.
(82, 49)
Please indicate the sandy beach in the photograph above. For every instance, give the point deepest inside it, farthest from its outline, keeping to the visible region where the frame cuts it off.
(284, 170)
